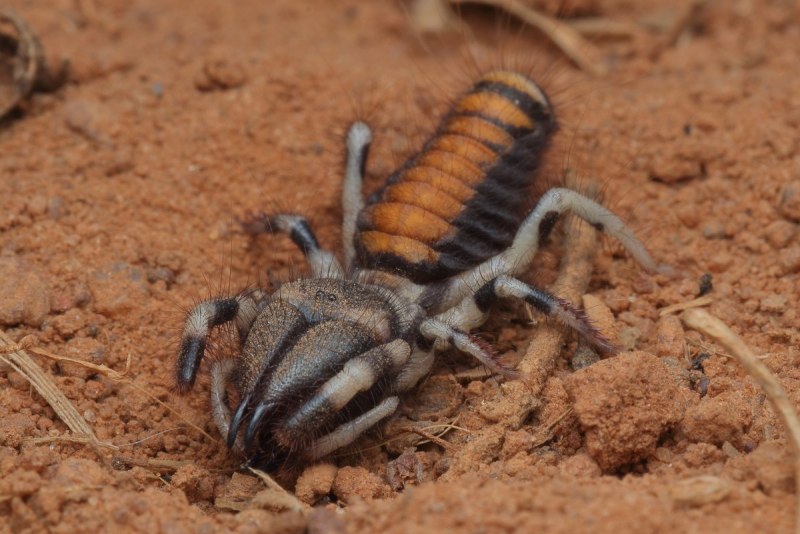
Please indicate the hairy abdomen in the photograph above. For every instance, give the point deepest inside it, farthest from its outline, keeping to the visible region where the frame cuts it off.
(461, 199)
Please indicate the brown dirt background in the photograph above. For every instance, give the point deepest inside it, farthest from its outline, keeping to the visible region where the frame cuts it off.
(118, 203)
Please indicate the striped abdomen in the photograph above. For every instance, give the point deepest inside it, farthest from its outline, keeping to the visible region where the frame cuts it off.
(461, 199)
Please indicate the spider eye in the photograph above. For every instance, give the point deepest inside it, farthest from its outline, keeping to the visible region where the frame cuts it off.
(324, 295)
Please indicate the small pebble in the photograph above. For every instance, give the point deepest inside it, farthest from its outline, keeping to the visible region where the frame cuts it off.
(315, 482)
(789, 205)
(24, 295)
(629, 337)
(584, 357)
(220, 74)
(670, 337)
(357, 482)
(774, 304)
(779, 233)
(118, 288)
(68, 323)
(706, 284)
(789, 260)
(719, 261)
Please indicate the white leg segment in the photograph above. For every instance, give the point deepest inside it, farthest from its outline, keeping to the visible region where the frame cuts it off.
(361, 373)
(526, 242)
(359, 138)
(348, 432)
(418, 366)
(221, 372)
(557, 201)
(322, 263)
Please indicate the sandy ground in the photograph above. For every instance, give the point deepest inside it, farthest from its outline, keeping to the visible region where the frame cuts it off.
(119, 196)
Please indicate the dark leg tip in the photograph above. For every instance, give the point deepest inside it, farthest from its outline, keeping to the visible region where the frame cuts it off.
(254, 424)
(192, 349)
(236, 421)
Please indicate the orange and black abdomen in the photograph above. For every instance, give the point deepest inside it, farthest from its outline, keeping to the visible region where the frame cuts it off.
(461, 199)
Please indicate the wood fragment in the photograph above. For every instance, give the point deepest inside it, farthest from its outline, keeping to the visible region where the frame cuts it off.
(547, 339)
(702, 321)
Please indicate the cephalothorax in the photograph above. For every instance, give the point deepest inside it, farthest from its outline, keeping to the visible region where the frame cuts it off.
(325, 358)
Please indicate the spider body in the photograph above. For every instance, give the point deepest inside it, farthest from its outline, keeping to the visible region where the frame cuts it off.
(325, 358)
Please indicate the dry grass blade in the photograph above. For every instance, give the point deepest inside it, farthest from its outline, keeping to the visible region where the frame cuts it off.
(705, 323)
(424, 433)
(433, 438)
(154, 464)
(574, 46)
(28, 342)
(21, 362)
(705, 300)
(75, 438)
(547, 432)
(603, 27)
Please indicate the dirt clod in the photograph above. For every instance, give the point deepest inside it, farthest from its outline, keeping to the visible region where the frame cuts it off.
(624, 404)
(14, 428)
(357, 483)
(718, 419)
(315, 482)
(24, 295)
(195, 482)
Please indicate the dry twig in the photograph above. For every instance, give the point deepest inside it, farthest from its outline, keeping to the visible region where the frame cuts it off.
(705, 323)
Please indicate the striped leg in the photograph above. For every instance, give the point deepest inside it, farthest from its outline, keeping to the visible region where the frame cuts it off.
(322, 263)
(418, 365)
(359, 138)
(445, 336)
(542, 219)
(358, 375)
(199, 323)
(538, 225)
(348, 432)
(221, 373)
(474, 309)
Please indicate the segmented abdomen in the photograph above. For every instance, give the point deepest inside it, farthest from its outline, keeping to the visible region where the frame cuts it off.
(461, 199)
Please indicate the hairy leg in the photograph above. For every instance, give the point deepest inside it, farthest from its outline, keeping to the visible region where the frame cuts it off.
(348, 432)
(323, 264)
(538, 225)
(359, 138)
(474, 309)
(199, 323)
